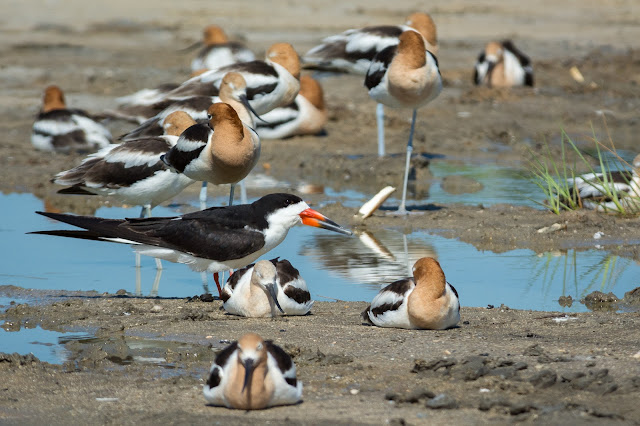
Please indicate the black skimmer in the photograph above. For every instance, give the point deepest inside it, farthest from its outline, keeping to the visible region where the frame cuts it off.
(61, 129)
(405, 76)
(307, 115)
(426, 301)
(353, 52)
(214, 240)
(218, 51)
(502, 64)
(252, 374)
(256, 290)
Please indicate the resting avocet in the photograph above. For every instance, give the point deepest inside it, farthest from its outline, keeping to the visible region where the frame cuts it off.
(218, 51)
(61, 129)
(594, 190)
(256, 290)
(252, 374)
(307, 115)
(501, 64)
(426, 301)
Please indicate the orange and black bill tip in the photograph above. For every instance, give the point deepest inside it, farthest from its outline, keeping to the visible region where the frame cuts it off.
(311, 217)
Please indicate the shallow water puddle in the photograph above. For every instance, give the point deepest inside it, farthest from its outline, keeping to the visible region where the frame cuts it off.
(499, 185)
(334, 266)
(46, 345)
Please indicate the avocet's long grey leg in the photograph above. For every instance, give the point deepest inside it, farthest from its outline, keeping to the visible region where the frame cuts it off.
(380, 120)
(203, 196)
(231, 191)
(243, 192)
(402, 209)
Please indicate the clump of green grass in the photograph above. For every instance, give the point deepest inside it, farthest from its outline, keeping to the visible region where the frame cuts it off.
(556, 177)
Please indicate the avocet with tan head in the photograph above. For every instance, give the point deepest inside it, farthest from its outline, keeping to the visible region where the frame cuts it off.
(61, 129)
(353, 52)
(218, 51)
(252, 374)
(426, 301)
(307, 115)
(502, 64)
(256, 290)
(405, 76)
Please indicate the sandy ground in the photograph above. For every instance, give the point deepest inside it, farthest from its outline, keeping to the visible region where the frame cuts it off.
(582, 370)
(499, 366)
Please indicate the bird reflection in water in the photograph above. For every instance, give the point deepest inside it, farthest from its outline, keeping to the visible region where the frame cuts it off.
(373, 259)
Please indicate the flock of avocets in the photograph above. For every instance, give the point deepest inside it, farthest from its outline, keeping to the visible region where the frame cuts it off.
(209, 129)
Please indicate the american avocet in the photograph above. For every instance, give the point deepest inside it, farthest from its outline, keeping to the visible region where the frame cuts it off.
(218, 51)
(195, 106)
(307, 115)
(252, 374)
(225, 151)
(233, 90)
(271, 83)
(501, 64)
(215, 240)
(353, 52)
(139, 106)
(405, 76)
(426, 301)
(594, 190)
(255, 290)
(61, 129)
(131, 172)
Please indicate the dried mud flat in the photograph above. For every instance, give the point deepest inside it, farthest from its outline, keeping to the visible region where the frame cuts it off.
(535, 368)
(499, 366)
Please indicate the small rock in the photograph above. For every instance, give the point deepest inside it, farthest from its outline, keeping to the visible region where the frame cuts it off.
(565, 301)
(354, 391)
(533, 350)
(471, 369)
(156, 308)
(392, 396)
(632, 297)
(520, 366)
(418, 394)
(433, 365)
(519, 408)
(503, 372)
(121, 292)
(599, 301)
(553, 228)
(570, 376)
(398, 421)
(544, 379)
(600, 297)
(496, 401)
(441, 401)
